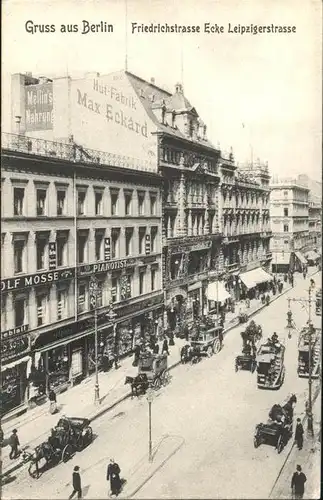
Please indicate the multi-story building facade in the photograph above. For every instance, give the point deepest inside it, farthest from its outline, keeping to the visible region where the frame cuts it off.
(69, 214)
(245, 222)
(289, 223)
(314, 223)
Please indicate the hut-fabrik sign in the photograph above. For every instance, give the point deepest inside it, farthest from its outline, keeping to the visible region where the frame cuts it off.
(112, 112)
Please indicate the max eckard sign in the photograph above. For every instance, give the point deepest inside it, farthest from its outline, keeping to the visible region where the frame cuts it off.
(48, 277)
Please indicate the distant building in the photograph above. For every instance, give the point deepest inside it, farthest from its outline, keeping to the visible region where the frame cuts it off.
(289, 216)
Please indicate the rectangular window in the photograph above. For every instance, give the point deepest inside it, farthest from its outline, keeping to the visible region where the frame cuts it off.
(42, 307)
(18, 251)
(61, 304)
(153, 202)
(286, 228)
(81, 202)
(285, 194)
(61, 251)
(99, 294)
(125, 287)
(141, 281)
(98, 202)
(142, 237)
(98, 245)
(20, 308)
(286, 212)
(115, 237)
(61, 197)
(41, 245)
(41, 201)
(18, 201)
(128, 235)
(141, 202)
(81, 248)
(114, 202)
(81, 300)
(114, 289)
(128, 202)
(153, 239)
(153, 279)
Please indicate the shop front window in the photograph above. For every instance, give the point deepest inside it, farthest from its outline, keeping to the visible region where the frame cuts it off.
(58, 367)
(13, 387)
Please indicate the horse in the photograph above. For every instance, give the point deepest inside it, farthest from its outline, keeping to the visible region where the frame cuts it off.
(139, 384)
(195, 354)
(185, 354)
(286, 409)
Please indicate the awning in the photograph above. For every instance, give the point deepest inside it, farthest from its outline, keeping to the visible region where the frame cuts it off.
(15, 363)
(254, 277)
(217, 292)
(312, 255)
(301, 257)
(281, 258)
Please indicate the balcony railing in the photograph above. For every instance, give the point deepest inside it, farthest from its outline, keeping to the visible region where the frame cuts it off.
(71, 152)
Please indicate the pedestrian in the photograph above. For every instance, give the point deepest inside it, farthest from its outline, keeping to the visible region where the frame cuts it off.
(113, 474)
(292, 280)
(52, 402)
(156, 348)
(304, 272)
(14, 443)
(76, 481)
(298, 481)
(136, 355)
(165, 346)
(299, 432)
(221, 337)
(116, 356)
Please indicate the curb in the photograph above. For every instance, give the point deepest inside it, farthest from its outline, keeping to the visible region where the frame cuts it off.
(102, 411)
(138, 488)
(291, 448)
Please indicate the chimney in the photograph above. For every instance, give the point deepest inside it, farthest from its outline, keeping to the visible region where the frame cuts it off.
(152, 80)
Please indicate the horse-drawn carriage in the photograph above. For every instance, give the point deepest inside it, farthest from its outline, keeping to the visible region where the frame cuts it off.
(152, 372)
(304, 352)
(250, 337)
(279, 428)
(70, 435)
(270, 365)
(206, 337)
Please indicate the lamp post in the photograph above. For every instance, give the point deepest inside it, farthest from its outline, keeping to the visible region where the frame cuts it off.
(311, 330)
(93, 287)
(150, 398)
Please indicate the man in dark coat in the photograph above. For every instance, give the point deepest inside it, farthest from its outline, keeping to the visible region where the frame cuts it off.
(165, 346)
(298, 481)
(299, 431)
(14, 443)
(113, 474)
(76, 483)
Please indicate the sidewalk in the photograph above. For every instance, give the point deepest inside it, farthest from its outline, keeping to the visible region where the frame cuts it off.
(309, 458)
(34, 426)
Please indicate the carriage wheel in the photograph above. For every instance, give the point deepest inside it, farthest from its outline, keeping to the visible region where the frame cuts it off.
(209, 351)
(67, 453)
(165, 377)
(216, 347)
(34, 471)
(157, 383)
(280, 444)
(256, 442)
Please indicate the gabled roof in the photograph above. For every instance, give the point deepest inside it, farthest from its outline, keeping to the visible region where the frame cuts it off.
(151, 96)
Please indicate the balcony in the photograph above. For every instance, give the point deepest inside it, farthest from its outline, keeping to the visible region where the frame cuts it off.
(230, 268)
(71, 152)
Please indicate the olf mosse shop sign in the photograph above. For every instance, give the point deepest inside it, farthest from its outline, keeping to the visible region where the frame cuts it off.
(39, 107)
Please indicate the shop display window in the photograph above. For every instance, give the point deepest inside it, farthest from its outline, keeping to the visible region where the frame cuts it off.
(58, 367)
(125, 337)
(13, 386)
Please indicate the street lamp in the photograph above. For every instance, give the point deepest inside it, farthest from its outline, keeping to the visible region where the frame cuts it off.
(150, 398)
(93, 301)
(311, 330)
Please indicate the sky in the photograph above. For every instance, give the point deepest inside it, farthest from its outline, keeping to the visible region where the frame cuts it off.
(259, 94)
